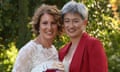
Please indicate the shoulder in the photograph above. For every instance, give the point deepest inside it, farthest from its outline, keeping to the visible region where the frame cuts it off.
(28, 47)
(93, 41)
(90, 40)
(24, 58)
(94, 45)
(65, 47)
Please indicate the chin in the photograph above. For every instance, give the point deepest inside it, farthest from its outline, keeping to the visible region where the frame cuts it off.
(50, 37)
(72, 36)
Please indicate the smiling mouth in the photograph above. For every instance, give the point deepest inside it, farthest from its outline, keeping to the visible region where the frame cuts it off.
(71, 30)
(49, 33)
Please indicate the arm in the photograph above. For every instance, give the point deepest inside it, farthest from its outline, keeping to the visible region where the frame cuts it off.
(97, 56)
(45, 66)
(23, 61)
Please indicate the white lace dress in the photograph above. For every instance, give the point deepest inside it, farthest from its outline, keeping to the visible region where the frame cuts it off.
(34, 58)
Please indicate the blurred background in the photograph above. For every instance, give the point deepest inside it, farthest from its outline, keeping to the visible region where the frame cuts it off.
(15, 30)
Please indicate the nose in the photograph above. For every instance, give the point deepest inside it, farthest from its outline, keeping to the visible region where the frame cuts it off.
(71, 24)
(49, 26)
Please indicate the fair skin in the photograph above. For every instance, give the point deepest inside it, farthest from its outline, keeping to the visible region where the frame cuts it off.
(48, 30)
(74, 27)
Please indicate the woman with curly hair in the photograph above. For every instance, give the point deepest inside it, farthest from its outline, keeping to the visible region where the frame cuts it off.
(40, 55)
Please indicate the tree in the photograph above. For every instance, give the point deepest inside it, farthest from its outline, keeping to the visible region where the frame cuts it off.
(104, 23)
(23, 32)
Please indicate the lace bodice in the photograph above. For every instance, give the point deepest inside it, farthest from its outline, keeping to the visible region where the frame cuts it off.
(32, 55)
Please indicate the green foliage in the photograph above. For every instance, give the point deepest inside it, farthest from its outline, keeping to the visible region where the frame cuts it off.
(8, 23)
(7, 58)
(15, 31)
(60, 41)
(103, 26)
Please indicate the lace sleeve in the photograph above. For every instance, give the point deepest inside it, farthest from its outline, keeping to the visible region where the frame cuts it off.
(23, 60)
(44, 66)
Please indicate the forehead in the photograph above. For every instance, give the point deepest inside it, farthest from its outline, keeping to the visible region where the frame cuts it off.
(72, 16)
(46, 16)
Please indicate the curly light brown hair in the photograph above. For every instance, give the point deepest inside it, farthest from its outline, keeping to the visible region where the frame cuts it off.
(41, 10)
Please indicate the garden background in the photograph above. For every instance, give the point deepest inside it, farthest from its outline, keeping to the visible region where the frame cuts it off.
(15, 30)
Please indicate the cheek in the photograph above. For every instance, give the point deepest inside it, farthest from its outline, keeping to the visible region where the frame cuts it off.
(56, 28)
(42, 26)
(83, 27)
(65, 28)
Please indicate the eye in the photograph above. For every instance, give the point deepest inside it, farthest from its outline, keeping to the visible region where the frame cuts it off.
(54, 23)
(76, 21)
(66, 21)
(45, 22)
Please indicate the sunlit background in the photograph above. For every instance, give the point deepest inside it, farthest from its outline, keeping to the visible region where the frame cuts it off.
(15, 30)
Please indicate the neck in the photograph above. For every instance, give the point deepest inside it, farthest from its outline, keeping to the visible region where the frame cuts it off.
(75, 41)
(44, 42)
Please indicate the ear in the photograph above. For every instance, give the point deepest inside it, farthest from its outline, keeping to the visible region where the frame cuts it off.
(85, 22)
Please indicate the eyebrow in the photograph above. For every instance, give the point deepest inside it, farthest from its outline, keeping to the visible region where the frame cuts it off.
(73, 18)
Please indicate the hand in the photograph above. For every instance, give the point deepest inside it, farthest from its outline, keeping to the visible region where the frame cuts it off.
(49, 65)
(59, 66)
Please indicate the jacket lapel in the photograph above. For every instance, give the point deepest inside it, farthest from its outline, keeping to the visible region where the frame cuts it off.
(77, 57)
(64, 51)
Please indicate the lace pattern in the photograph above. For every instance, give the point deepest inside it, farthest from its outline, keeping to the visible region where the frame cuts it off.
(32, 55)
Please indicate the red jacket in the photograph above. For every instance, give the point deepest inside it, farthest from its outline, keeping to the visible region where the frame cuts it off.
(88, 57)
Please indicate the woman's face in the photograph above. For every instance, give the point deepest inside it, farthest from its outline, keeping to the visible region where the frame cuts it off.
(48, 26)
(73, 25)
